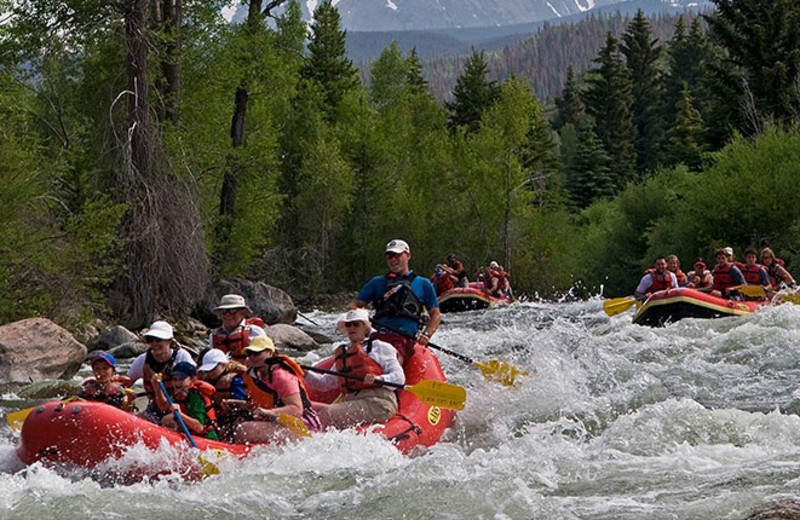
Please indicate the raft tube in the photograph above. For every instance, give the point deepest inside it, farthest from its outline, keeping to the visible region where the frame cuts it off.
(85, 434)
(469, 299)
(664, 307)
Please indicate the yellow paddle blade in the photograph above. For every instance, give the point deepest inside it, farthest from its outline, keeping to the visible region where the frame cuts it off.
(619, 305)
(209, 468)
(500, 371)
(438, 393)
(753, 290)
(294, 424)
(791, 298)
(17, 419)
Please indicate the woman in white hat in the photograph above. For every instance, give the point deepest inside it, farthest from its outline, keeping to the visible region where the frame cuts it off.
(162, 354)
(275, 386)
(365, 401)
(234, 335)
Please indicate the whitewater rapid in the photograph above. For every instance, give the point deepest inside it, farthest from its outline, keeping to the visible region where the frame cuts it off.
(694, 420)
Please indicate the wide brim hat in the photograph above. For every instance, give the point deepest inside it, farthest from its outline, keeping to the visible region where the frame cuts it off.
(232, 301)
(260, 344)
(354, 315)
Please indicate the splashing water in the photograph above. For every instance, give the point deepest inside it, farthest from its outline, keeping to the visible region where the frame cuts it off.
(695, 420)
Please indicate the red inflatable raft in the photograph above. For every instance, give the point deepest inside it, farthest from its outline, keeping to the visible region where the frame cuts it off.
(468, 299)
(663, 307)
(86, 435)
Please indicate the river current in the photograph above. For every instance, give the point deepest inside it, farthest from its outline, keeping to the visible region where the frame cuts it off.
(617, 421)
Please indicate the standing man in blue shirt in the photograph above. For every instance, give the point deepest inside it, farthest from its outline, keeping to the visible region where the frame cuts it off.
(398, 299)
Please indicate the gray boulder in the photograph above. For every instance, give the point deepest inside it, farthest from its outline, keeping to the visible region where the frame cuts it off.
(287, 336)
(35, 350)
(114, 337)
(268, 303)
(49, 390)
(128, 350)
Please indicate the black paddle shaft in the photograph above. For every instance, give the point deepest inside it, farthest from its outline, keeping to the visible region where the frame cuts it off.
(456, 355)
(348, 376)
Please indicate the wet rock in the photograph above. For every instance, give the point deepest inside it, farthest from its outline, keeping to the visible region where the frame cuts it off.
(782, 509)
(35, 350)
(128, 350)
(287, 336)
(114, 337)
(268, 303)
(49, 390)
(317, 336)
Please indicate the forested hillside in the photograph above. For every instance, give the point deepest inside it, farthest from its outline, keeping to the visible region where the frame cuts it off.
(145, 150)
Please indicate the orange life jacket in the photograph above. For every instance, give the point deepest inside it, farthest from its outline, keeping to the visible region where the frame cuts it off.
(235, 342)
(263, 395)
(205, 390)
(354, 360)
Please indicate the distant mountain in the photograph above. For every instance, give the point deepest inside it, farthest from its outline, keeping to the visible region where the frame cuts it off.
(437, 27)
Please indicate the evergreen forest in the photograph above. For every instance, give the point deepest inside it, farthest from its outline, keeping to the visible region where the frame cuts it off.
(148, 148)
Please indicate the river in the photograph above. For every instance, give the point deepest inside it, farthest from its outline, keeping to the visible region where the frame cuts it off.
(617, 421)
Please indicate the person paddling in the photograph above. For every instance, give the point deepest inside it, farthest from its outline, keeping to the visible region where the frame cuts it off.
(700, 279)
(399, 298)
(755, 274)
(192, 399)
(365, 401)
(274, 386)
(728, 278)
(657, 279)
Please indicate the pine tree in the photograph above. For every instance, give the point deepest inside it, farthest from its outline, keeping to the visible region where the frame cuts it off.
(472, 95)
(571, 109)
(608, 99)
(588, 172)
(763, 37)
(414, 78)
(684, 139)
(327, 63)
(641, 55)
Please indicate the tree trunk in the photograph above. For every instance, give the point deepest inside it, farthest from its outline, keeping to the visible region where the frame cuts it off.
(141, 146)
(170, 66)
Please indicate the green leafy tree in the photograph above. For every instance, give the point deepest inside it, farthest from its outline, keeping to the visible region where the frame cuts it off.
(609, 99)
(642, 53)
(389, 74)
(473, 94)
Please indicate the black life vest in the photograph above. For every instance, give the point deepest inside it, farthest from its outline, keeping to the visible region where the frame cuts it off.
(401, 301)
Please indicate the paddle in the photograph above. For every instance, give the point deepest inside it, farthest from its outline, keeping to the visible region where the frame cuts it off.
(208, 467)
(495, 370)
(755, 291)
(430, 392)
(616, 306)
(261, 398)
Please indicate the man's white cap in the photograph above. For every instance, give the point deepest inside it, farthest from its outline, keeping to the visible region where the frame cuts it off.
(728, 250)
(397, 246)
(494, 264)
(212, 359)
(160, 330)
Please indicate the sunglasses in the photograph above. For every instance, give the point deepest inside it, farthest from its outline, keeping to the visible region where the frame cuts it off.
(349, 324)
(229, 311)
(151, 339)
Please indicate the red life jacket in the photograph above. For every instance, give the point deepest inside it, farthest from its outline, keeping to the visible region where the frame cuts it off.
(354, 360)
(722, 277)
(112, 393)
(205, 390)
(235, 342)
(681, 276)
(705, 280)
(660, 282)
(263, 395)
(442, 282)
(751, 274)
